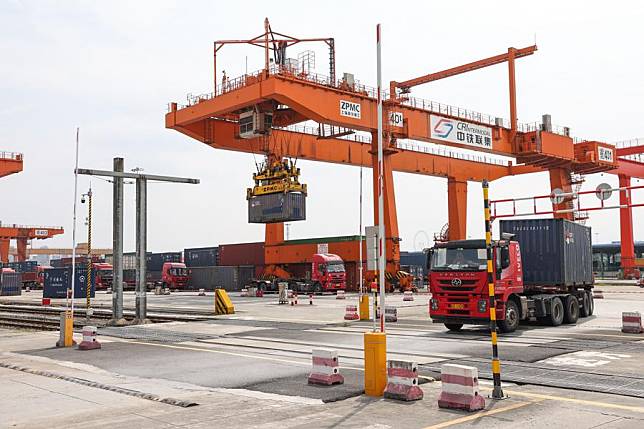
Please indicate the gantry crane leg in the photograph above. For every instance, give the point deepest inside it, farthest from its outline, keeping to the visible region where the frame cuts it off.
(560, 178)
(392, 237)
(4, 249)
(457, 208)
(21, 248)
(626, 230)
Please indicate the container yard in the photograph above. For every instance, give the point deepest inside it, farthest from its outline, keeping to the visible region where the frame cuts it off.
(424, 218)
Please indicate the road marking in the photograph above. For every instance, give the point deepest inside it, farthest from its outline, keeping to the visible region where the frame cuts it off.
(586, 359)
(480, 415)
(576, 401)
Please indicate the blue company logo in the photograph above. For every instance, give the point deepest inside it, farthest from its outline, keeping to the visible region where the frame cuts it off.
(443, 128)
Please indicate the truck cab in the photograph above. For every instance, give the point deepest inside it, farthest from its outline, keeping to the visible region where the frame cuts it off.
(104, 275)
(174, 275)
(328, 273)
(459, 285)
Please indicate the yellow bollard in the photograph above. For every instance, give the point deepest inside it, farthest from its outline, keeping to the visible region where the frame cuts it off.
(375, 363)
(364, 307)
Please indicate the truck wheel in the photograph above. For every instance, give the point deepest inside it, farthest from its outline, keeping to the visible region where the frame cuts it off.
(571, 309)
(556, 316)
(585, 310)
(591, 307)
(512, 317)
(454, 326)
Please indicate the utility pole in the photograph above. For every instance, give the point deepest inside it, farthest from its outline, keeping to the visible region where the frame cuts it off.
(117, 245)
(141, 241)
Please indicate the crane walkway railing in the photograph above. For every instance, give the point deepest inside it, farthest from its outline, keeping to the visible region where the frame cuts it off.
(288, 71)
(15, 156)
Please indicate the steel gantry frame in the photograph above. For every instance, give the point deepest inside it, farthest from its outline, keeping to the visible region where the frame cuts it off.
(295, 97)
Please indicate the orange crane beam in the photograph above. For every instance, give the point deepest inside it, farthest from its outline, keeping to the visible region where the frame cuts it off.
(10, 163)
(475, 65)
(22, 234)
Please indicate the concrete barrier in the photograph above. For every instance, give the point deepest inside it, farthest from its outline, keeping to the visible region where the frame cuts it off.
(408, 295)
(244, 292)
(202, 292)
(89, 339)
(326, 368)
(460, 388)
(632, 322)
(340, 295)
(351, 312)
(402, 381)
(598, 294)
(391, 313)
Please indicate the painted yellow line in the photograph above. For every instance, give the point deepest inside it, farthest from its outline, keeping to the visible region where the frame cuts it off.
(576, 401)
(480, 415)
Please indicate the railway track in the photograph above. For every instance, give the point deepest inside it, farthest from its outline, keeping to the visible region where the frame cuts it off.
(36, 317)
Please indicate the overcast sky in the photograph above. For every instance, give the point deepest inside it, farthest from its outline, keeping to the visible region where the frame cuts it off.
(110, 68)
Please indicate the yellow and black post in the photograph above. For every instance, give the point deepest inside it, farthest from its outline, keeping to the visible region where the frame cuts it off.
(497, 392)
(89, 255)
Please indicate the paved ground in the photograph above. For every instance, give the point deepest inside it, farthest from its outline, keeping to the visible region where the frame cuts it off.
(249, 369)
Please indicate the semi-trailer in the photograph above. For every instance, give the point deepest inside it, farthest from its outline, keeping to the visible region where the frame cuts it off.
(542, 271)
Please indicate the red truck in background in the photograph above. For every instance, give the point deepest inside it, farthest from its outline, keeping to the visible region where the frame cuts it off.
(327, 274)
(104, 275)
(545, 274)
(174, 275)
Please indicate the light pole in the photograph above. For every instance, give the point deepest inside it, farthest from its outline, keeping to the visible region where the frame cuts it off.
(88, 292)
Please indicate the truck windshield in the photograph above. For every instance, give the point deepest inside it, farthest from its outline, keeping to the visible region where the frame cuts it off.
(178, 272)
(105, 272)
(336, 267)
(445, 259)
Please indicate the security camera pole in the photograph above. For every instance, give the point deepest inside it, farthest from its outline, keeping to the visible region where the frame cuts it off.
(141, 237)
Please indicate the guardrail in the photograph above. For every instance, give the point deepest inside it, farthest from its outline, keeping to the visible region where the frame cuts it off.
(291, 72)
(15, 225)
(11, 155)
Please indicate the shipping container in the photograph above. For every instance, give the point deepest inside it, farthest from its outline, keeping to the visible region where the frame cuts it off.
(58, 280)
(10, 284)
(554, 252)
(80, 260)
(22, 267)
(241, 254)
(416, 259)
(201, 257)
(230, 278)
(155, 261)
(280, 207)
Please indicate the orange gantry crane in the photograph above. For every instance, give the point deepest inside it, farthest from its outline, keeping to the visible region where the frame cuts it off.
(10, 163)
(22, 234)
(344, 131)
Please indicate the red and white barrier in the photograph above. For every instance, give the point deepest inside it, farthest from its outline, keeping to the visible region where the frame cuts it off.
(340, 295)
(244, 292)
(391, 313)
(598, 294)
(289, 294)
(326, 368)
(632, 322)
(89, 339)
(460, 388)
(408, 296)
(402, 381)
(351, 312)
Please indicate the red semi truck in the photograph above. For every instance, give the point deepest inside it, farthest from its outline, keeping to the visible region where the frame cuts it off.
(174, 275)
(327, 274)
(542, 271)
